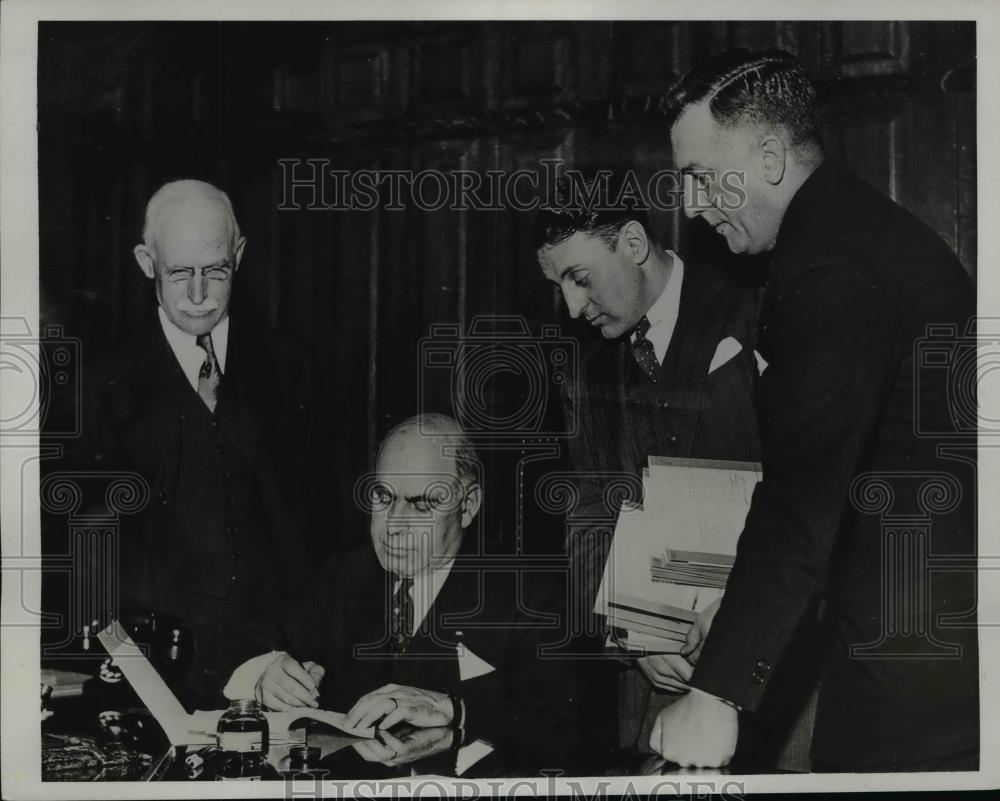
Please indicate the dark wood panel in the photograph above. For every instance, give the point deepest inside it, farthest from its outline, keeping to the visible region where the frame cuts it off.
(447, 72)
(933, 146)
(966, 179)
(648, 58)
(539, 64)
(866, 49)
(356, 365)
(120, 113)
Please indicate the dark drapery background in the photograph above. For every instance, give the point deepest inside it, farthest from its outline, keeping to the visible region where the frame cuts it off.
(124, 107)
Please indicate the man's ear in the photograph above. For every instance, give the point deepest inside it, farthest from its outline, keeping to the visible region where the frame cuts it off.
(633, 238)
(238, 252)
(773, 155)
(144, 256)
(470, 507)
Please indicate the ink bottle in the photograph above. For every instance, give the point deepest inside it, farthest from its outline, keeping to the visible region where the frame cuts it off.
(243, 735)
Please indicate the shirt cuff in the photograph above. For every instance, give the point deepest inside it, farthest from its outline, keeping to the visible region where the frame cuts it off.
(242, 683)
(717, 698)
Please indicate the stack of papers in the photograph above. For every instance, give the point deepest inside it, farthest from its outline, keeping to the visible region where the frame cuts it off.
(671, 556)
(691, 567)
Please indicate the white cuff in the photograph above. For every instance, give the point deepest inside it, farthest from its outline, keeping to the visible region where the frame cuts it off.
(244, 679)
(717, 698)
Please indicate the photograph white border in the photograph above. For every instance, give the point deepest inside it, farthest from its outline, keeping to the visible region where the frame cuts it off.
(19, 248)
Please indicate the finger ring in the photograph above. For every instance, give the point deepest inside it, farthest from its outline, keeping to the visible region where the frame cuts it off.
(394, 701)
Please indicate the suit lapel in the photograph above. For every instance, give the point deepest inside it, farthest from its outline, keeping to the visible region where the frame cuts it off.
(433, 654)
(240, 389)
(672, 406)
(622, 357)
(696, 334)
(159, 389)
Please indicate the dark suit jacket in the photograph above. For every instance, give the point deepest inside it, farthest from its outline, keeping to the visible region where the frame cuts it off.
(622, 418)
(854, 283)
(142, 415)
(503, 617)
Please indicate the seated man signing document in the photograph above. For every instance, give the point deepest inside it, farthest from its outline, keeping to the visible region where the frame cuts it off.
(417, 627)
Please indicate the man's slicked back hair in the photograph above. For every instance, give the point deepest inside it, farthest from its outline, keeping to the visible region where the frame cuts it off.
(742, 86)
(597, 204)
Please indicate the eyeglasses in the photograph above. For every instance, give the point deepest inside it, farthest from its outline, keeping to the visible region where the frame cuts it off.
(437, 497)
(215, 272)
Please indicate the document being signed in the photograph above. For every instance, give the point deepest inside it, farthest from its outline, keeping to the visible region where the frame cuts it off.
(280, 724)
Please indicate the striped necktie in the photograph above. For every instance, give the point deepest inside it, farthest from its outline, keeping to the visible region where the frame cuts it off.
(401, 620)
(208, 375)
(643, 352)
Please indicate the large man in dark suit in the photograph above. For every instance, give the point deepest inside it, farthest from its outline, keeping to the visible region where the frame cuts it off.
(418, 626)
(670, 375)
(855, 282)
(200, 403)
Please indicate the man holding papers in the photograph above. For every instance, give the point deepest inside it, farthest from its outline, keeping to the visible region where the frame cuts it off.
(417, 627)
(669, 372)
(856, 426)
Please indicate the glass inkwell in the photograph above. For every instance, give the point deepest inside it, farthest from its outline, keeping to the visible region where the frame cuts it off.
(243, 735)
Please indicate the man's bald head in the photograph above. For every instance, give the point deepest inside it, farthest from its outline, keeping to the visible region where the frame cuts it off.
(178, 206)
(426, 494)
(191, 247)
(447, 437)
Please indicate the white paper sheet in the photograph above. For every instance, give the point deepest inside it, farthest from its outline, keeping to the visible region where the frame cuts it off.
(150, 687)
(280, 724)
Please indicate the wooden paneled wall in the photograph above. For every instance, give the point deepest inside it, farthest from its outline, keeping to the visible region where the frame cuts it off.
(125, 106)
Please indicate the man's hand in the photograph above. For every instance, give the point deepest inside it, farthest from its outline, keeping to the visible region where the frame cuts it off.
(394, 703)
(698, 632)
(669, 672)
(408, 747)
(285, 684)
(696, 731)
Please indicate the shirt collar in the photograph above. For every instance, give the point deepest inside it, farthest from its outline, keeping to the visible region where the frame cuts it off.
(667, 304)
(185, 346)
(662, 315)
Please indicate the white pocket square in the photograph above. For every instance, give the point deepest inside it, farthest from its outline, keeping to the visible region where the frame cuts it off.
(761, 363)
(471, 666)
(728, 348)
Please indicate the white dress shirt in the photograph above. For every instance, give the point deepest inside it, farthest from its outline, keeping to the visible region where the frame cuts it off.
(185, 347)
(424, 592)
(662, 315)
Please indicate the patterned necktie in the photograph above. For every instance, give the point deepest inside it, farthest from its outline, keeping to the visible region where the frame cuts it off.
(643, 352)
(401, 620)
(208, 375)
